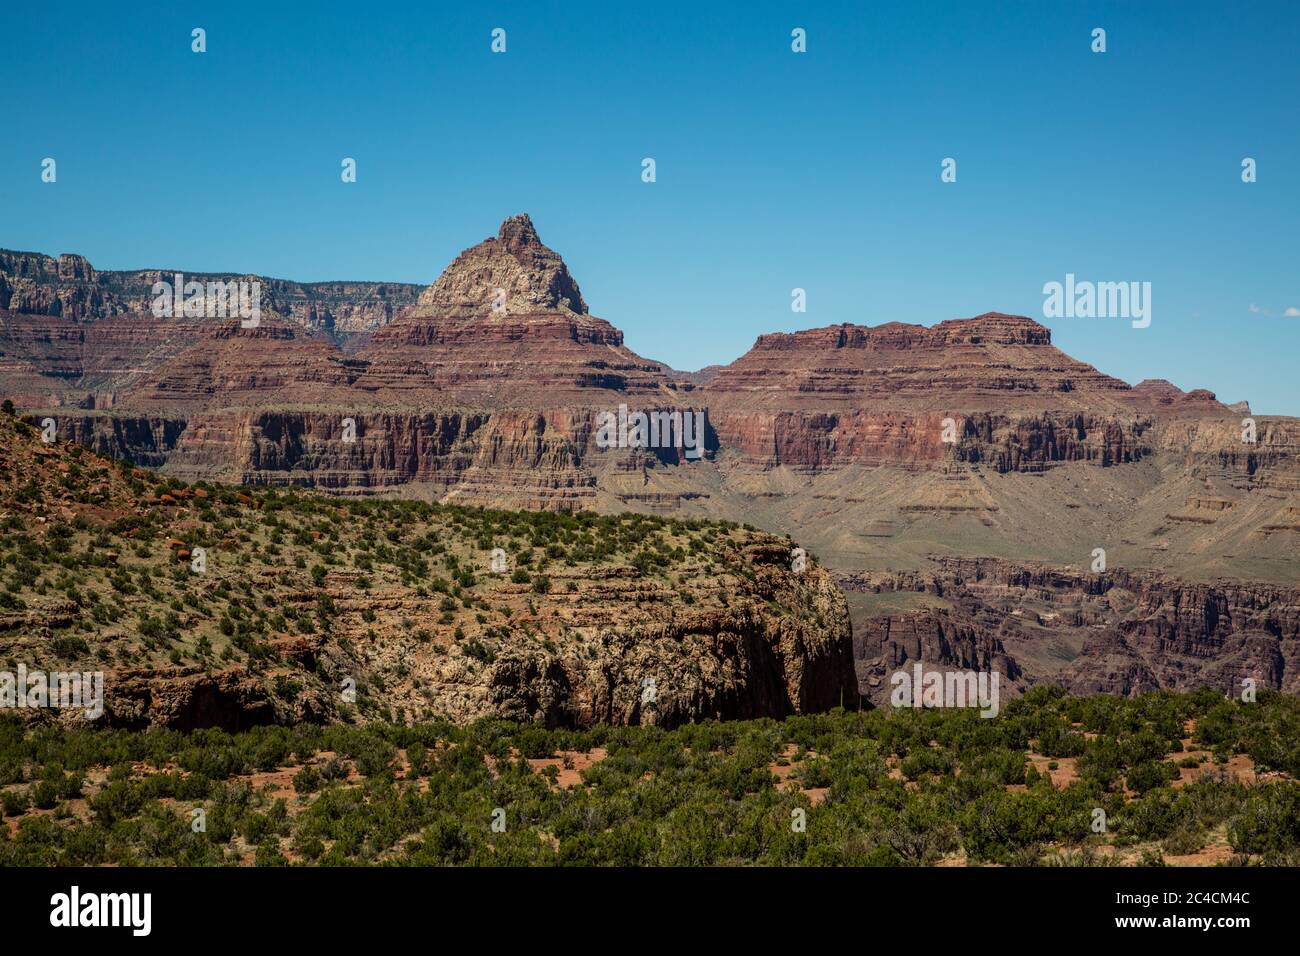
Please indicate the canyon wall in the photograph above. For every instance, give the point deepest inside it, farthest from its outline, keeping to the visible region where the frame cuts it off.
(1133, 630)
(69, 287)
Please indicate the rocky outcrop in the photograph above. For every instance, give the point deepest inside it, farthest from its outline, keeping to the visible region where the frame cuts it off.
(510, 274)
(1167, 396)
(312, 607)
(1133, 631)
(187, 699)
(949, 640)
(737, 663)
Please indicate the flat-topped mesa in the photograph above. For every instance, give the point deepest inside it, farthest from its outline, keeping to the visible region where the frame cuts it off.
(991, 328)
(39, 267)
(991, 362)
(532, 277)
(863, 395)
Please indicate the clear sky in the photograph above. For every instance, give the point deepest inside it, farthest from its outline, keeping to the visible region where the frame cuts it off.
(775, 170)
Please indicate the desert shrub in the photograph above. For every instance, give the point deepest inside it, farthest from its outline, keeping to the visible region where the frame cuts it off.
(1268, 821)
(307, 780)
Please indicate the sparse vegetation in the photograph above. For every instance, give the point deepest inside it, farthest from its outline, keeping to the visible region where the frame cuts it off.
(101, 558)
(703, 794)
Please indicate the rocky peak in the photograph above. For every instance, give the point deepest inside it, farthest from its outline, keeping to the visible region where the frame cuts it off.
(73, 266)
(533, 276)
(518, 232)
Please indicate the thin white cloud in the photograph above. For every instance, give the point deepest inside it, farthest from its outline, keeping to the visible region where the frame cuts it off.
(1291, 312)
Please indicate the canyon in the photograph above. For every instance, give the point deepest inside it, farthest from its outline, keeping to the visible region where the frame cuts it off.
(1120, 632)
(957, 479)
(314, 608)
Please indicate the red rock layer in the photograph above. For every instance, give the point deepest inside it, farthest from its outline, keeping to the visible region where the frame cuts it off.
(489, 387)
(69, 287)
(1139, 630)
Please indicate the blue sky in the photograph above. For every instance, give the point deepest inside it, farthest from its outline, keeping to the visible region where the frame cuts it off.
(775, 170)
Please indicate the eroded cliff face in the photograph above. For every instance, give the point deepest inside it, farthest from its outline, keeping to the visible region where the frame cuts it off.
(814, 442)
(991, 390)
(1115, 632)
(1215, 446)
(938, 637)
(194, 698)
(617, 650)
(148, 442)
(70, 288)
(313, 607)
(730, 662)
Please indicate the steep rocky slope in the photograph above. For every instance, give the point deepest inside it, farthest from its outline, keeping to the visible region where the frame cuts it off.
(1115, 632)
(208, 606)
